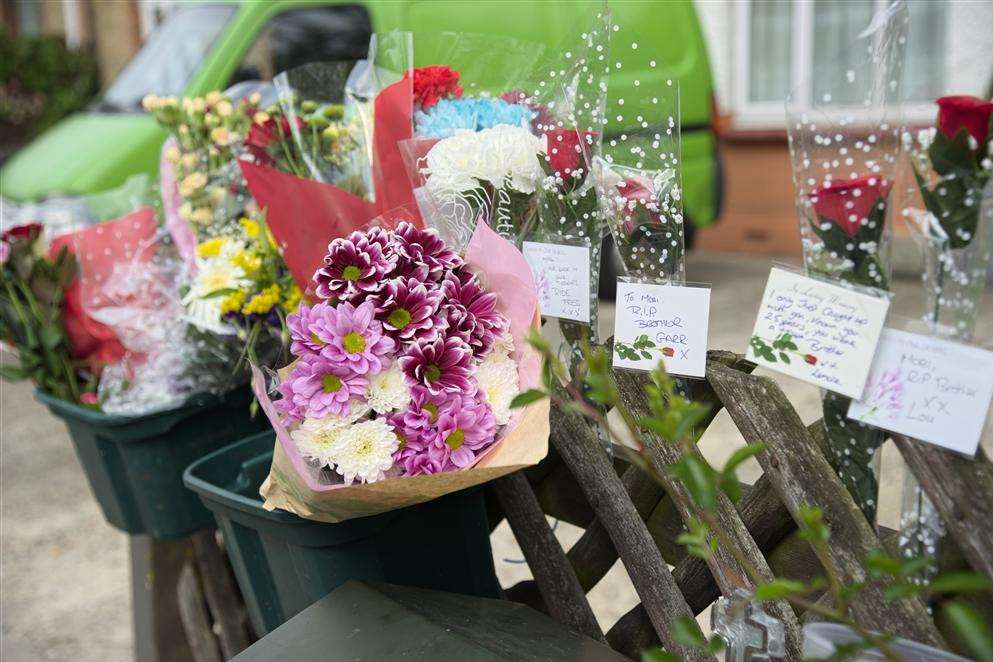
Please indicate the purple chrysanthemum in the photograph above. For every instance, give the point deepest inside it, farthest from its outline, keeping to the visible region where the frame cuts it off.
(354, 266)
(466, 431)
(408, 310)
(417, 422)
(352, 337)
(439, 365)
(318, 388)
(470, 311)
(303, 341)
(425, 249)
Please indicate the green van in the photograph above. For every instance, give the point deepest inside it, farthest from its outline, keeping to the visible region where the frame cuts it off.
(212, 45)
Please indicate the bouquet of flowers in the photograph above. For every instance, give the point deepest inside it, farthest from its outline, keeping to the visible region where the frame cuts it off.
(31, 322)
(844, 166)
(405, 370)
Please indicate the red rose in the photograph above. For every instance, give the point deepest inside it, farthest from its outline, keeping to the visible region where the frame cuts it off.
(434, 83)
(260, 136)
(846, 203)
(972, 113)
(811, 359)
(568, 149)
(28, 231)
(668, 351)
(639, 191)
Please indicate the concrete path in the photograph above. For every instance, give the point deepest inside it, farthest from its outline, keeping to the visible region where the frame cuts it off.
(64, 592)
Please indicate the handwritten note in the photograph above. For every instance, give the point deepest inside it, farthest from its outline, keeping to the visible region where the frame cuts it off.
(821, 333)
(667, 322)
(929, 389)
(562, 274)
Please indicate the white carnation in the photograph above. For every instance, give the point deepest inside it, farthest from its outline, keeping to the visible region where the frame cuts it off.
(315, 437)
(388, 391)
(364, 451)
(498, 382)
(497, 155)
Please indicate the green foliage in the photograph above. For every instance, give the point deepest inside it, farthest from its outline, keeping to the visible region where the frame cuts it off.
(637, 350)
(971, 629)
(42, 81)
(527, 397)
(867, 270)
(697, 539)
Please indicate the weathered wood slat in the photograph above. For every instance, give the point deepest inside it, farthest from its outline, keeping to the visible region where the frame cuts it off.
(563, 596)
(196, 620)
(801, 476)
(223, 597)
(961, 489)
(651, 578)
(727, 570)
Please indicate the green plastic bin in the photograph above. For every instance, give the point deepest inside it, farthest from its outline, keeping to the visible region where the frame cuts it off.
(135, 465)
(284, 563)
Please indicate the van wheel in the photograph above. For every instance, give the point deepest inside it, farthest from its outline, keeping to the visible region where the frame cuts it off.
(611, 266)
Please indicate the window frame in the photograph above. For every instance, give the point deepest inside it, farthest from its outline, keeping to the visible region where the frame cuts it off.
(772, 115)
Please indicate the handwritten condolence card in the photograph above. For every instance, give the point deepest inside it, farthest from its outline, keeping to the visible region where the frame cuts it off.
(562, 276)
(667, 322)
(821, 333)
(929, 389)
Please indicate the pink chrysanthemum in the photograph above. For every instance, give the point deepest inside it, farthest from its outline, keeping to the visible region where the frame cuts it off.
(470, 311)
(424, 249)
(466, 431)
(439, 365)
(354, 266)
(318, 388)
(408, 310)
(303, 341)
(352, 337)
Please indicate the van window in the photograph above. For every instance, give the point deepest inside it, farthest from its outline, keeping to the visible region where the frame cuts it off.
(299, 36)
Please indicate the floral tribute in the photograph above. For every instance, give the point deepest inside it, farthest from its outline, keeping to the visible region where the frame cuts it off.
(403, 364)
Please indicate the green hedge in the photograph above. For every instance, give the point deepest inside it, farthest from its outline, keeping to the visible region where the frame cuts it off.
(42, 81)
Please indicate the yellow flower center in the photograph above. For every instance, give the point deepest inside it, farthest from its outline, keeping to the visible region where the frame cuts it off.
(432, 372)
(431, 409)
(331, 383)
(317, 341)
(455, 439)
(399, 318)
(351, 273)
(354, 343)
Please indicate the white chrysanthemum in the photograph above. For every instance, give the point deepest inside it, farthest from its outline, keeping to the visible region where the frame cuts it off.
(364, 450)
(503, 345)
(388, 391)
(315, 437)
(496, 155)
(213, 274)
(498, 382)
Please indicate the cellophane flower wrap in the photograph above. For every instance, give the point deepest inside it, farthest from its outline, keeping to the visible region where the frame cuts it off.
(405, 365)
(845, 136)
(950, 212)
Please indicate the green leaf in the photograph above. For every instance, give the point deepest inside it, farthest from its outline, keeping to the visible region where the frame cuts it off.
(13, 373)
(51, 336)
(527, 397)
(741, 455)
(778, 589)
(959, 582)
(902, 590)
(686, 632)
(880, 564)
(971, 628)
(223, 292)
(784, 358)
(699, 479)
(656, 654)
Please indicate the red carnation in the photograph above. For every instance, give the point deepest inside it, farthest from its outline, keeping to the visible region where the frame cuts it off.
(568, 149)
(846, 203)
(956, 112)
(811, 359)
(434, 83)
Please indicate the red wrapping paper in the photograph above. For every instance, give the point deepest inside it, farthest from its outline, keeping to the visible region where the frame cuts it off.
(98, 249)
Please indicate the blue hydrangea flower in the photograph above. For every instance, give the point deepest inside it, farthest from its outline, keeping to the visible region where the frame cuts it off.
(445, 117)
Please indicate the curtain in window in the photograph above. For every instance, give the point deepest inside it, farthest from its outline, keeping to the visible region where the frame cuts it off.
(770, 60)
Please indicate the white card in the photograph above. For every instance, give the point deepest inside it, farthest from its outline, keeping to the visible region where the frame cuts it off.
(667, 322)
(929, 389)
(562, 276)
(821, 333)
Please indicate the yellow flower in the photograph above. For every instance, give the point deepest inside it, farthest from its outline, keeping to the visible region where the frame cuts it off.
(199, 105)
(260, 117)
(224, 108)
(250, 227)
(233, 303)
(186, 211)
(262, 303)
(214, 98)
(255, 98)
(192, 183)
(293, 296)
(202, 216)
(189, 160)
(211, 247)
(173, 155)
(247, 261)
(150, 102)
